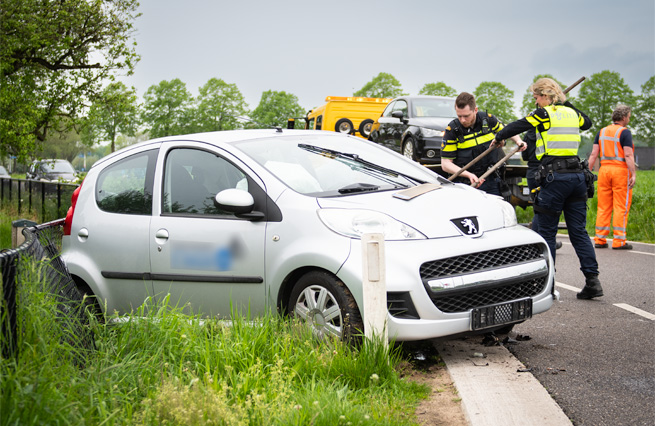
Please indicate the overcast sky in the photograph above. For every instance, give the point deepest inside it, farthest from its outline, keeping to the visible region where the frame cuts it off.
(316, 49)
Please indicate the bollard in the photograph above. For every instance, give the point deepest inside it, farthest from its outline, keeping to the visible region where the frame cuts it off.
(17, 227)
(374, 287)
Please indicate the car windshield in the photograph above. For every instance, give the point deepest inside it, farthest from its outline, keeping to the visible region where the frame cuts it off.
(434, 108)
(332, 166)
(57, 167)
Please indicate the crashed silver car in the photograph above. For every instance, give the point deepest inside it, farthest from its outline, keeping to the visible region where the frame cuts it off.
(259, 220)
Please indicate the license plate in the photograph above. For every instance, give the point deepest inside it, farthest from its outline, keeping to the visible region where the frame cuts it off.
(501, 313)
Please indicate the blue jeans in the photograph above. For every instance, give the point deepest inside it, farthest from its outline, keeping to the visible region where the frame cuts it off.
(567, 192)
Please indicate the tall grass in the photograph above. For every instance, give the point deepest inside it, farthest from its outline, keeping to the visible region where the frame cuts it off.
(160, 366)
(641, 221)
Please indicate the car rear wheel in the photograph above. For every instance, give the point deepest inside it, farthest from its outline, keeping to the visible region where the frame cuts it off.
(365, 128)
(408, 149)
(325, 304)
(344, 125)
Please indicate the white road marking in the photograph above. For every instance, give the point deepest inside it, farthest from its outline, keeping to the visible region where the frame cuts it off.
(625, 306)
(634, 310)
(567, 287)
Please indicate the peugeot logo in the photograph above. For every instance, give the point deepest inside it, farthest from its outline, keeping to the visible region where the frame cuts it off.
(467, 225)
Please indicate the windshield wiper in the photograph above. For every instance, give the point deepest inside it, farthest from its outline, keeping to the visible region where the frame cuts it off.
(358, 187)
(357, 159)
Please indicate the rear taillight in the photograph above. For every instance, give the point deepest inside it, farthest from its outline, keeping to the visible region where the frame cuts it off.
(69, 215)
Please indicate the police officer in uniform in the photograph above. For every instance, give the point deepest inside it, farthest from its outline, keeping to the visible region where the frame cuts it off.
(561, 175)
(469, 135)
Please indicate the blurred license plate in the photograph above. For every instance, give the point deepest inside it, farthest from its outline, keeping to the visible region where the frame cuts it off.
(501, 313)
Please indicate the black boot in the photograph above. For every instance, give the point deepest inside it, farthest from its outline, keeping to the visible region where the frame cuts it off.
(591, 289)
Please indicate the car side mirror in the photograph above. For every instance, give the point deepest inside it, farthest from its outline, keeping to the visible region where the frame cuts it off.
(399, 115)
(239, 202)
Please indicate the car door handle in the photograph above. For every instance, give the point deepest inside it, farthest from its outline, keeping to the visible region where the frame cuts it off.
(161, 234)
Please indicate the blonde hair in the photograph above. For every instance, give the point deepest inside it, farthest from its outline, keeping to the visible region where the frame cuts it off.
(549, 88)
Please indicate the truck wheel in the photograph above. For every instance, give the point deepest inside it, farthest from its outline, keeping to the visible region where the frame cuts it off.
(326, 305)
(365, 128)
(344, 126)
(408, 149)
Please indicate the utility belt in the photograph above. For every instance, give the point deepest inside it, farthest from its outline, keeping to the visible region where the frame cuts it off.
(567, 165)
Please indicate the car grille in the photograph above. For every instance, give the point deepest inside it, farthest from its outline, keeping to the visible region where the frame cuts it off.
(465, 301)
(462, 300)
(477, 262)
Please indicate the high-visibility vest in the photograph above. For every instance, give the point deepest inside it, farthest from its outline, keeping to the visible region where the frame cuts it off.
(609, 142)
(562, 138)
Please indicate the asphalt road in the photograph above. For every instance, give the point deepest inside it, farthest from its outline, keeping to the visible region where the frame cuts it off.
(597, 357)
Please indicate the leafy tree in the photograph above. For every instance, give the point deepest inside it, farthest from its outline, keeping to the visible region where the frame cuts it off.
(275, 108)
(166, 109)
(382, 86)
(528, 105)
(438, 89)
(54, 58)
(116, 111)
(600, 94)
(496, 99)
(219, 105)
(60, 144)
(643, 115)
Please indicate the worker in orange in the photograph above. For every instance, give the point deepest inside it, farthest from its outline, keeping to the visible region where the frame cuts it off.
(616, 178)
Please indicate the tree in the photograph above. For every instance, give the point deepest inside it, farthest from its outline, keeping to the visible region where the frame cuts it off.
(219, 106)
(496, 99)
(54, 58)
(643, 115)
(166, 109)
(382, 86)
(116, 111)
(275, 108)
(438, 89)
(528, 105)
(600, 94)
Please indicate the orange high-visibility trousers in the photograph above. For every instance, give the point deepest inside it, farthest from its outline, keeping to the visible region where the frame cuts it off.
(615, 197)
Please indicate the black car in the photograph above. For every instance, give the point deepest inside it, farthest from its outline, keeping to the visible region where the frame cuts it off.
(52, 170)
(414, 126)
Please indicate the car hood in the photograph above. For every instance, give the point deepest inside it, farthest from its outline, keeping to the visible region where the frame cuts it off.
(438, 123)
(431, 213)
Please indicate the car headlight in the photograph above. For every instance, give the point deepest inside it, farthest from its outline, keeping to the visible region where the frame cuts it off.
(354, 223)
(509, 214)
(431, 133)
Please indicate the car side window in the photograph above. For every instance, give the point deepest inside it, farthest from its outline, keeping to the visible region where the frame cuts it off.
(319, 122)
(193, 177)
(126, 186)
(389, 109)
(401, 106)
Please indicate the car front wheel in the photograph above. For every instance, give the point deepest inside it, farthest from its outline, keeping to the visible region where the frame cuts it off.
(408, 149)
(327, 306)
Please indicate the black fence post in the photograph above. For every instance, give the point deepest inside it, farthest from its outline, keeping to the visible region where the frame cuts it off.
(8, 305)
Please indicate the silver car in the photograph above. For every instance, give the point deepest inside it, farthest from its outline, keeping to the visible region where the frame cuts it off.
(261, 220)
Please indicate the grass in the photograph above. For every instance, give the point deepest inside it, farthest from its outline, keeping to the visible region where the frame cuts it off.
(641, 221)
(164, 367)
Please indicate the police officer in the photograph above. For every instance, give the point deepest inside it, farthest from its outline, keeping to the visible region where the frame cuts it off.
(469, 135)
(561, 174)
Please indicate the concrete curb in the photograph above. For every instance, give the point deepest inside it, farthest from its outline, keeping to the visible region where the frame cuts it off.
(493, 392)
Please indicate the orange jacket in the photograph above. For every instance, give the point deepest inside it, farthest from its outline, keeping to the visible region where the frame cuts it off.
(609, 142)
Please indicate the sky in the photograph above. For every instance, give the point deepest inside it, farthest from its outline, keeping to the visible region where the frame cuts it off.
(333, 48)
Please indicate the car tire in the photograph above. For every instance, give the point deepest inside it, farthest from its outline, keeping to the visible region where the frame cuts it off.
(365, 128)
(344, 125)
(327, 306)
(409, 149)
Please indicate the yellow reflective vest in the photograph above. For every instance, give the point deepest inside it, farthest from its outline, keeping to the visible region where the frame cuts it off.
(560, 136)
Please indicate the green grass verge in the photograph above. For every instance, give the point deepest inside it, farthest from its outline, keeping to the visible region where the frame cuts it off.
(164, 367)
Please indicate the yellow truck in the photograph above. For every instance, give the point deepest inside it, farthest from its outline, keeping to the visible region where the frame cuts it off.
(351, 114)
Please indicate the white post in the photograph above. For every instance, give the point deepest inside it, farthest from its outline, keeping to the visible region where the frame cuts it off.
(374, 287)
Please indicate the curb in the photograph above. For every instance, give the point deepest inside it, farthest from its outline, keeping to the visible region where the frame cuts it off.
(493, 391)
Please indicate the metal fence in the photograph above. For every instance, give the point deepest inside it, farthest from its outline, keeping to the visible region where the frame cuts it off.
(42, 244)
(49, 200)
